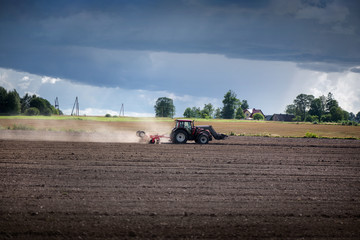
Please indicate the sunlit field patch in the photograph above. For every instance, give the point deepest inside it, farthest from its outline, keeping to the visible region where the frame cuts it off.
(164, 126)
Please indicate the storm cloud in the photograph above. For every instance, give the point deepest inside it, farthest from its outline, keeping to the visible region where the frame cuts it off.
(110, 43)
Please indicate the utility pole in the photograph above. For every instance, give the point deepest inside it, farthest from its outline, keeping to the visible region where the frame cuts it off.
(57, 103)
(122, 110)
(76, 108)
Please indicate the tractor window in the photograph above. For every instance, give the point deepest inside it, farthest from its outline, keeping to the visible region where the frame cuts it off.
(180, 124)
(187, 125)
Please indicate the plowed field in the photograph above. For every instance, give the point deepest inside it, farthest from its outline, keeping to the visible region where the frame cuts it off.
(240, 188)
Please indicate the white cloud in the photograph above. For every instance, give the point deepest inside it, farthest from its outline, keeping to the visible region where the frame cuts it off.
(51, 80)
(97, 112)
(136, 114)
(24, 83)
(271, 89)
(4, 81)
(98, 100)
(103, 112)
(344, 86)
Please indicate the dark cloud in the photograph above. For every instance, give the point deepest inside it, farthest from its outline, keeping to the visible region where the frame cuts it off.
(355, 70)
(324, 67)
(74, 39)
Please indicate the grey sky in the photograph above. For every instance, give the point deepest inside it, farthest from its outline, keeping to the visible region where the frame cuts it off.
(197, 48)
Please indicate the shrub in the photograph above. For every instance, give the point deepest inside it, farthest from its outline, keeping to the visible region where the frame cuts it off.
(311, 135)
(258, 116)
(107, 115)
(33, 111)
(312, 118)
(349, 123)
(47, 112)
(326, 118)
(297, 119)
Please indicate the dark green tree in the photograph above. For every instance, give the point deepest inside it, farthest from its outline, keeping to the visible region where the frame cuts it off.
(302, 103)
(244, 104)
(317, 108)
(330, 102)
(38, 103)
(11, 103)
(230, 104)
(164, 107)
(357, 117)
(336, 114)
(43, 106)
(326, 117)
(351, 116)
(197, 112)
(32, 111)
(25, 102)
(188, 113)
(13, 106)
(346, 115)
(3, 99)
(291, 109)
(207, 111)
(240, 113)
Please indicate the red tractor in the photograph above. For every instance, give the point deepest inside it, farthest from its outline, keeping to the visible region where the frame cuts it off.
(185, 130)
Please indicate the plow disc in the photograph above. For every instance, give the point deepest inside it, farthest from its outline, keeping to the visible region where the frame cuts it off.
(150, 138)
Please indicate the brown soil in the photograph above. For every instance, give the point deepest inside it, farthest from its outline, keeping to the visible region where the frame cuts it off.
(242, 187)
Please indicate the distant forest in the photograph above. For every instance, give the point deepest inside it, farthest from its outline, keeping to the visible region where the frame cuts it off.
(233, 108)
(322, 109)
(12, 104)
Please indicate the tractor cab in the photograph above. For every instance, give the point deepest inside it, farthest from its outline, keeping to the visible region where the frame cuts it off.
(188, 125)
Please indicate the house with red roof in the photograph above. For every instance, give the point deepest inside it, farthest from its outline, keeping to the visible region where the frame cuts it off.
(249, 113)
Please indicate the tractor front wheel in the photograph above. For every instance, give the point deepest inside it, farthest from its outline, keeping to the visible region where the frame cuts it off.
(180, 136)
(203, 139)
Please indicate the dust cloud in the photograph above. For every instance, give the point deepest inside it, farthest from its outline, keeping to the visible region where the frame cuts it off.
(87, 131)
(41, 135)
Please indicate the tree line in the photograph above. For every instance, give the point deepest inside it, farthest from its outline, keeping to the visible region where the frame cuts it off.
(304, 108)
(12, 104)
(322, 109)
(232, 108)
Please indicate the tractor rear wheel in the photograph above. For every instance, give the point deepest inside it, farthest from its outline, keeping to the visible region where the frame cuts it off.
(203, 139)
(180, 136)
